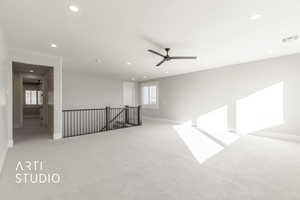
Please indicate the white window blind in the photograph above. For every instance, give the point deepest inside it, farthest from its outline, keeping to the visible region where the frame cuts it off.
(150, 95)
(33, 97)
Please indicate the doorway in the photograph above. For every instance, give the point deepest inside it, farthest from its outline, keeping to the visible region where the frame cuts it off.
(129, 94)
(32, 102)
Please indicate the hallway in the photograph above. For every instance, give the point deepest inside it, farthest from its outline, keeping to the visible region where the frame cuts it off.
(32, 131)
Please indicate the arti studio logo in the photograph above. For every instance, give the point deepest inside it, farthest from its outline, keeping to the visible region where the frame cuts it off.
(35, 173)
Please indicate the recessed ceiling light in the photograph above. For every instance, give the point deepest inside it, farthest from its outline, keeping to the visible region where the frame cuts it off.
(290, 38)
(145, 76)
(255, 17)
(73, 8)
(128, 63)
(133, 79)
(53, 45)
(31, 71)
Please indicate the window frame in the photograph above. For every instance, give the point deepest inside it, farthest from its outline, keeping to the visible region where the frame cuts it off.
(37, 99)
(150, 84)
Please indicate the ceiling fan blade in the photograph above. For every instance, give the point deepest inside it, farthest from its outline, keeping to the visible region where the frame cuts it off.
(183, 57)
(161, 63)
(156, 53)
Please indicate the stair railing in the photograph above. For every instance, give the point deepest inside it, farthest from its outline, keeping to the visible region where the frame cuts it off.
(87, 121)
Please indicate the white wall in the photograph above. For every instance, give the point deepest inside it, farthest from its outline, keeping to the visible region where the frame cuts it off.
(265, 91)
(90, 91)
(3, 101)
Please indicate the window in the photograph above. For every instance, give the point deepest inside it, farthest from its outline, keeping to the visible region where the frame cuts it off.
(33, 97)
(40, 97)
(150, 95)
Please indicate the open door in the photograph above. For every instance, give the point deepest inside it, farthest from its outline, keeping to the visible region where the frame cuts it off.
(32, 102)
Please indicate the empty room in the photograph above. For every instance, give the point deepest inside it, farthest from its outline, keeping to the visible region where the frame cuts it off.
(164, 100)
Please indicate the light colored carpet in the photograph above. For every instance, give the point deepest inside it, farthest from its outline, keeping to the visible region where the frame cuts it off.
(32, 130)
(154, 162)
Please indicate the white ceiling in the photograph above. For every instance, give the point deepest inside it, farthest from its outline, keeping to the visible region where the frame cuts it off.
(219, 32)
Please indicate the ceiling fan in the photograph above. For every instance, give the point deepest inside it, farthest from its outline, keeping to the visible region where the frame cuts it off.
(167, 57)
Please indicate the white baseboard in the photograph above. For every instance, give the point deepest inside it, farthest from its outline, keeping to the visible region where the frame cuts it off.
(163, 120)
(3, 153)
(279, 136)
(57, 136)
(10, 143)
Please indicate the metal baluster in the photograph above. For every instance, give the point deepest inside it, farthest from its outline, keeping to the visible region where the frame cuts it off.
(87, 122)
(80, 122)
(63, 123)
(95, 121)
(90, 121)
(70, 124)
(74, 121)
(84, 122)
(99, 113)
(73, 118)
(83, 119)
(92, 113)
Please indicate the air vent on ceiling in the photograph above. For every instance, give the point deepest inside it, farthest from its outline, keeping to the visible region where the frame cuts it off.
(290, 38)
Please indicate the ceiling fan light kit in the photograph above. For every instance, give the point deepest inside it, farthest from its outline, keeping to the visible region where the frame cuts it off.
(167, 57)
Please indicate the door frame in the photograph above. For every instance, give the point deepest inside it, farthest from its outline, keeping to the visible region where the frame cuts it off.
(37, 58)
